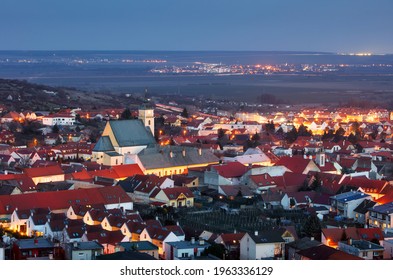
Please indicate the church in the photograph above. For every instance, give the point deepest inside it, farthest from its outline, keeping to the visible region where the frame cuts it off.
(132, 141)
(123, 138)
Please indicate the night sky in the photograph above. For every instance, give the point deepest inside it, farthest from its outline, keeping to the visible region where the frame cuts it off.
(267, 25)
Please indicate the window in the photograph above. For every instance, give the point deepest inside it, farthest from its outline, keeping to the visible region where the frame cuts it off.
(364, 254)
(184, 255)
(149, 122)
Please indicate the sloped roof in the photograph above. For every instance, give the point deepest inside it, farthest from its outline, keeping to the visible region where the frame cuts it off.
(43, 171)
(230, 169)
(267, 237)
(364, 206)
(104, 144)
(131, 133)
(63, 199)
(295, 164)
(173, 193)
(118, 171)
(171, 156)
(323, 252)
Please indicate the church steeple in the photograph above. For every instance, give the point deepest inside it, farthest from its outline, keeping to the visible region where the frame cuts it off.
(146, 114)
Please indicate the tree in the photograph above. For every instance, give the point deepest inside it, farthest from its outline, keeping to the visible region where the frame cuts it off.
(217, 250)
(184, 114)
(269, 127)
(292, 135)
(55, 129)
(126, 114)
(312, 227)
(302, 131)
(339, 134)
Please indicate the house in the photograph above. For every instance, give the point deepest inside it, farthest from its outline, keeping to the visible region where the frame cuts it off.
(36, 222)
(233, 191)
(159, 236)
(273, 198)
(261, 182)
(60, 201)
(251, 156)
(381, 216)
(185, 250)
(293, 247)
(185, 181)
(113, 222)
(332, 236)
(108, 239)
(362, 211)
(45, 174)
(231, 242)
(224, 174)
(298, 164)
(323, 252)
(141, 247)
(363, 249)
(33, 249)
(88, 250)
(344, 204)
(175, 197)
(140, 187)
(58, 119)
(261, 245)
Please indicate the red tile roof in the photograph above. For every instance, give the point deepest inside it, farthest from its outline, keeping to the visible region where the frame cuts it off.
(230, 169)
(295, 164)
(173, 193)
(43, 171)
(118, 171)
(63, 199)
(262, 180)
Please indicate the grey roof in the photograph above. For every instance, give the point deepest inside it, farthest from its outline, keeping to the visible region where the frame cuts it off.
(365, 206)
(365, 245)
(160, 157)
(24, 244)
(126, 255)
(267, 237)
(303, 243)
(138, 246)
(104, 144)
(187, 244)
(113, 154)
(131, 133)
(383, 209)
(88, 245)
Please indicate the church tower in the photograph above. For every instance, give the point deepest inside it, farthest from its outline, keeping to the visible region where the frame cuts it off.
(146, 114)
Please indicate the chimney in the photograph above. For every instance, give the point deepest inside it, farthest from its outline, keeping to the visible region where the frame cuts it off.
(171, 154)
(75, 244)
(183, 152)
(312, 238)
(305, 156)
(5, 172)
(200, 151)
(369, 245)
(265, 176)
(192, 240)
(177, 223)
(256, 233)
(349, 241)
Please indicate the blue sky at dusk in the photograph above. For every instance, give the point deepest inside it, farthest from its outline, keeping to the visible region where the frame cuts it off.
(301, 25)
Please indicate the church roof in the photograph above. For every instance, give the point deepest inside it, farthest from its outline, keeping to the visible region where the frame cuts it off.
(104, 145)
(131, 133)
